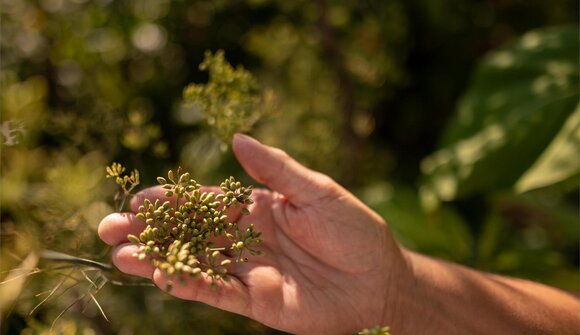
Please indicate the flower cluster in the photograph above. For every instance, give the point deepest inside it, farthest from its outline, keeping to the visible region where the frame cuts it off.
(231, 100)
(181, 233)
(127, 182)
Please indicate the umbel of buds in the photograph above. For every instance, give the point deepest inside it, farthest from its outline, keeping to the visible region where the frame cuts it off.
(180, 235)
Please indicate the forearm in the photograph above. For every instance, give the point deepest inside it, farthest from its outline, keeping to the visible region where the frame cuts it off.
(450, 299)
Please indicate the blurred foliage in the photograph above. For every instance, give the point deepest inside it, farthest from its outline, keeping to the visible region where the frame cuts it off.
(443, 233)
(229, 101)
(366, 91)
(515, 108)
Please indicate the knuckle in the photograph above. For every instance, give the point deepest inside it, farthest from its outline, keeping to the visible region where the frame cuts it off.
(328, 186)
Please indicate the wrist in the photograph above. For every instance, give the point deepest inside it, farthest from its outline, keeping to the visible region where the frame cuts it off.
(397, 294)
(416, 305)
(402, 295)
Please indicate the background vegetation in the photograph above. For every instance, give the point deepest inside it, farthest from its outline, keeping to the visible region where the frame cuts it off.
(457, 121)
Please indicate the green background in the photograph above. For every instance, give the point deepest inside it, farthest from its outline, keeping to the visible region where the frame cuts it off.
(457, 121)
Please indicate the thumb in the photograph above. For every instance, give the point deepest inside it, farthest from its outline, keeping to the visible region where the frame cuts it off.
(281, 173)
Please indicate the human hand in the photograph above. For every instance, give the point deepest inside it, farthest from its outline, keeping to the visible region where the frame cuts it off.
(331, 264)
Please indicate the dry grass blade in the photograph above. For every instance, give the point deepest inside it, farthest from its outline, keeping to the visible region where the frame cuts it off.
(49, 295)
(19, 276)
(89, 279)
(67, 289)
(42, 293)
(99, 306)
(55, 289)
(65, 310)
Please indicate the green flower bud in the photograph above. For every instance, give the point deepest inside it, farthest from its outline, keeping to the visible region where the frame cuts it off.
(133, 239)
(178, 236)
(178, 266)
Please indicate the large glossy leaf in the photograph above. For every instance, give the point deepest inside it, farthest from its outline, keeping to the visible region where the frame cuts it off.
(515, 108)
(559, 161)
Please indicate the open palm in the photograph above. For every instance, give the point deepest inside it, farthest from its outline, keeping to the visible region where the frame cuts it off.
(328, 262)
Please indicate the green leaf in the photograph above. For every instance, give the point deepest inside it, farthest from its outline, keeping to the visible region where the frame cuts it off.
(557, 162)
(510, 118)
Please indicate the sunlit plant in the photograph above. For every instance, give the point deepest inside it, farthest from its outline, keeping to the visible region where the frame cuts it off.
(126, 182)
(230, 101)
(180, 234)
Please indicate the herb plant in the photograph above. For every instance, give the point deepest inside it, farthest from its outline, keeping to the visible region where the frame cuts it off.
(180, 234)
(126, 182)
(231, 101)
